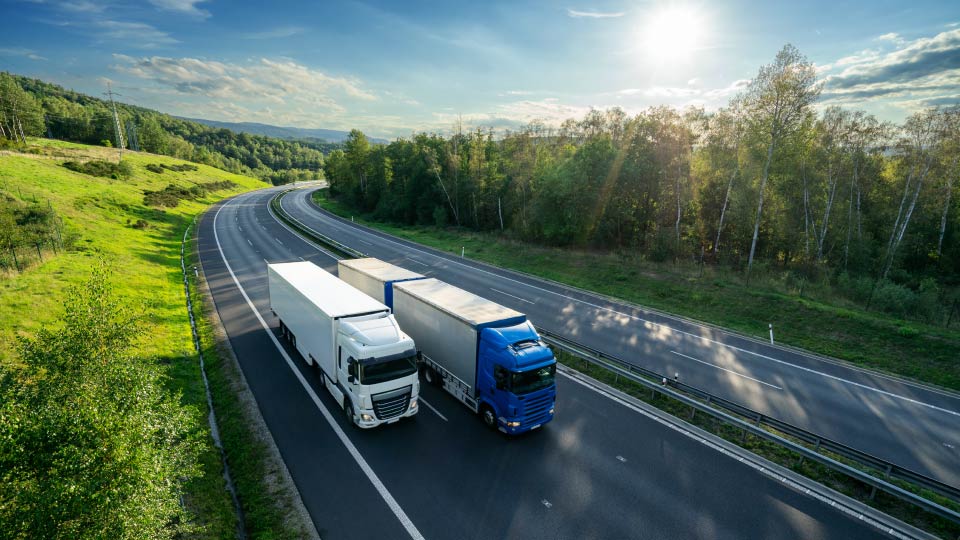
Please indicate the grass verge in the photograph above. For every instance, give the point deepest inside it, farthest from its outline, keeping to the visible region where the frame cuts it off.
(270, 500)
(105, 218)
(829, 327)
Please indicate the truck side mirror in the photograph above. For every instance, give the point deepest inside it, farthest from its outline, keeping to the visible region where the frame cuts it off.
(350, 379)
(351, 368)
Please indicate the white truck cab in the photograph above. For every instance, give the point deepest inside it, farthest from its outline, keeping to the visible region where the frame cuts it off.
(368, 364)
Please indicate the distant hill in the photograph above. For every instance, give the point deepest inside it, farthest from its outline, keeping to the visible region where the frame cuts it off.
(280, 132)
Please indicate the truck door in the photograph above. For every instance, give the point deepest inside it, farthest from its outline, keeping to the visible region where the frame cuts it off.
(344, 370)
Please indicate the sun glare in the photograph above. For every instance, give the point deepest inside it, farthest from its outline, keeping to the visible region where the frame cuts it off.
(672, 33)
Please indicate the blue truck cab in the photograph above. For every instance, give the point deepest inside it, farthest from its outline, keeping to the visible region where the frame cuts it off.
(516, 377)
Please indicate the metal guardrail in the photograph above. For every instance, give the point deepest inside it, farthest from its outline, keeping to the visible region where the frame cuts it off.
(642, 376)
(308, 232)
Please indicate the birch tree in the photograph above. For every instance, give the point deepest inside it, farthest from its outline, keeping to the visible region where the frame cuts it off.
(920, 135)
(950, 125)
(776, 101)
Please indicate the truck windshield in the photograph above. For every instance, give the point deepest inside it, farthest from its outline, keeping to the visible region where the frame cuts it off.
(387, 371)
(533, 380)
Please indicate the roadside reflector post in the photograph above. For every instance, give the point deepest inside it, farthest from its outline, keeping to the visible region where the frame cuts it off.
(771, 333)
(462, 250)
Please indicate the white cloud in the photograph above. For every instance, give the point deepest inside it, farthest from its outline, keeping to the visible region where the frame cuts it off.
(275, 33)
(20, 52)
(185, 7)
(578, 14)
(83, 6)
(923, 70)
(265, 86)
(133, 34)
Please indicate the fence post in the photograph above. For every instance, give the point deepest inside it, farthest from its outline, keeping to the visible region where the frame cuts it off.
(38, 251)
(13, 250)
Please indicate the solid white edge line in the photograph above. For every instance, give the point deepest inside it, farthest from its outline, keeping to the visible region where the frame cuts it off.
(371, 475)
(661, 325)
(431, 407)
(755, 465)
(727, 370)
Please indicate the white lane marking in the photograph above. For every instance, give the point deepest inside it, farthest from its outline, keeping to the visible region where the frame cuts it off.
(679, 428)
(661, 325)
(411, 259)
(302, 259)
(546, 503)
(249, 242)
(278, 240)
(512, 296)
(364, 242)
(364, 466)
(950, 446)
(429, 406)
(622, 459)
(239, 227)
(727, 370)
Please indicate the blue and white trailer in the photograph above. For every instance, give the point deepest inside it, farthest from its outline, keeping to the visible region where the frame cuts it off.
(374, 277)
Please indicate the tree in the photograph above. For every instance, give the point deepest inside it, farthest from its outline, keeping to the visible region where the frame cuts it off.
(921, 134)
(775, 102)
(91, 444)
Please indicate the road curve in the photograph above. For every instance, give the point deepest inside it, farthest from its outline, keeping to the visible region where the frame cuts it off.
(600, 470)
(914, 426)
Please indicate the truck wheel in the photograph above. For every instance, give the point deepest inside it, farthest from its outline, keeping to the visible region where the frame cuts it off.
(283, 330)
(348, 412)
(488, 417)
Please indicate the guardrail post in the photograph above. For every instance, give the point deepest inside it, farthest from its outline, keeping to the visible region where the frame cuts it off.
(693, 412)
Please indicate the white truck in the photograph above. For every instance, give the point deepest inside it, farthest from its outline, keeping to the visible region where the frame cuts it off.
(367, 363)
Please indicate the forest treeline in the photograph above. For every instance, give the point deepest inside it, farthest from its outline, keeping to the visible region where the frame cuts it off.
(768, 183)
(42, 109)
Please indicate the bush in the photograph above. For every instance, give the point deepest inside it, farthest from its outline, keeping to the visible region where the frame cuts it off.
(171, 195)
(99, 167)
(155, 168)
(92, 444)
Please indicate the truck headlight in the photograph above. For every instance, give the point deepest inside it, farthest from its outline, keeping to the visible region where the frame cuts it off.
(366, 417)
(551, 410)
(413, 403)
(513, 424)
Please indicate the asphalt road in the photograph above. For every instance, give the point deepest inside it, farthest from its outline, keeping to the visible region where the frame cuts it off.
(599, 470)
(911, 425)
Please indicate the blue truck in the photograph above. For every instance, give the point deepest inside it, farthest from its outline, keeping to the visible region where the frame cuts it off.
(486, 355)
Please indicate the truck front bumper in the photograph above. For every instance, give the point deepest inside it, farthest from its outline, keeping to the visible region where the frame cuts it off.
(514, 427)
(368, 419)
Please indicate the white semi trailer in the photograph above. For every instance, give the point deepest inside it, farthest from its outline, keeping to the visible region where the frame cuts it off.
(368, 364)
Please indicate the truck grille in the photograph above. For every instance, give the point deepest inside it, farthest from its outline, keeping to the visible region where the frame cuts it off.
(536, 409)
(391, 404)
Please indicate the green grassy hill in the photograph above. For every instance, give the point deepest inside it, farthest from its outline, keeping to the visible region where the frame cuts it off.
(106, 218)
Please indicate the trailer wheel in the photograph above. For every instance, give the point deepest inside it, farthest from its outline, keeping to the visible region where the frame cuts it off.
(488, 416)
(431, 376)
(283, 330)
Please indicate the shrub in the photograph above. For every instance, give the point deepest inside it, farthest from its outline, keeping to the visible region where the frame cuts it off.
(155, 168)
(93, 446)
(99, 167)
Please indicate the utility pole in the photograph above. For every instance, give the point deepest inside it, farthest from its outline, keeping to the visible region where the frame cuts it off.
(132, 140)
(116, 122)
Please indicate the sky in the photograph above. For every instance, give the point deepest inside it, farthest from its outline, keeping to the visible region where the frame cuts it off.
(394, 68)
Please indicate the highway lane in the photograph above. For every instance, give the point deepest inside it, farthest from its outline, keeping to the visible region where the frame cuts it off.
(914, 426)
(600, 470)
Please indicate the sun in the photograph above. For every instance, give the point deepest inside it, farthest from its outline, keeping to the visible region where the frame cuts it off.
(672, 33)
